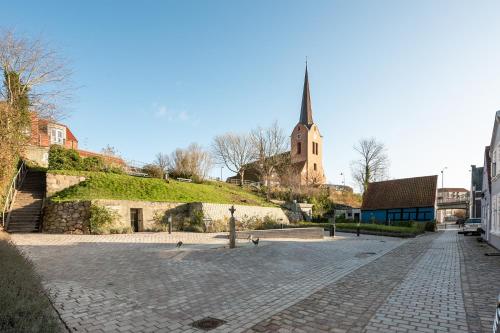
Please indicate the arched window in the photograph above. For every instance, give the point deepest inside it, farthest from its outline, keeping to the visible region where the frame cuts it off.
(299, 147)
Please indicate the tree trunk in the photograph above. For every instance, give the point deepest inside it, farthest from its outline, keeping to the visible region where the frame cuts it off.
(268, 190)
(242, 177)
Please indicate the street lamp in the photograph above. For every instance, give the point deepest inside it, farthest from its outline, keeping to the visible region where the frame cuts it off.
(442, 192)
(442, 178)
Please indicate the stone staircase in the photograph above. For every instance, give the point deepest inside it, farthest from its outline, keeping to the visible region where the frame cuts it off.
(26, 211)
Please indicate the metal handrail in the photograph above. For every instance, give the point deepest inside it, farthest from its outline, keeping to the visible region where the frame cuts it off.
(16, 183)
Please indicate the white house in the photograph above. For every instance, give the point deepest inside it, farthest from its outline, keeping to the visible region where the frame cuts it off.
(492, 229)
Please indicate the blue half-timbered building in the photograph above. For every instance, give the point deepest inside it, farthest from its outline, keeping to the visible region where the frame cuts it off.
(408, 199)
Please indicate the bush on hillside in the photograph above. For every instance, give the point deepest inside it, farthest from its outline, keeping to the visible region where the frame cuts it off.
(101, 219)
(61, 158)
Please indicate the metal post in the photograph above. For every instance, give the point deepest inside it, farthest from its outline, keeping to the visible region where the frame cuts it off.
(232, 229)
(169, 224)
(357, 230)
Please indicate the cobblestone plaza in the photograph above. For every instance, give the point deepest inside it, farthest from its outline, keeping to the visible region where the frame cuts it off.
(439, 282)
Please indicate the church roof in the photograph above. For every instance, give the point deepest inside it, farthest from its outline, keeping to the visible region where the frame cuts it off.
(306, 108)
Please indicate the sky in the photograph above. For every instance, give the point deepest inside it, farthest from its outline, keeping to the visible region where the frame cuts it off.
(422, 77)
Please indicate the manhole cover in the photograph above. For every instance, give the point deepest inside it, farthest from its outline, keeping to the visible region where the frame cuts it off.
(208, 323)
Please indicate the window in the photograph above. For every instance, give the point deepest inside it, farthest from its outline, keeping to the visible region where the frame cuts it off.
(299, 147)
(494, 164)
(315, 167)
(315, 147)
(56, 136)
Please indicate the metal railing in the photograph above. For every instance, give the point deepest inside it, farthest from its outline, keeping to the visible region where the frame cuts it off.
(14, 186)
(453, 200)
(245, 182)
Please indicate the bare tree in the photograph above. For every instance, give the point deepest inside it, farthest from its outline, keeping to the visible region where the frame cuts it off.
(110, 151)
(235, 151)
(194, 161)
(42, 73)
(162, 162)
(373, 163)
(270, 146)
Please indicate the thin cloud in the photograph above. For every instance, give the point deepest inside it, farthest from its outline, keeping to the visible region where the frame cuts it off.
(161, 111)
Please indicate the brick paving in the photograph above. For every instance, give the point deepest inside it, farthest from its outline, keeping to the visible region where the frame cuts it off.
(481, 281)
(141, 283)
(429, 299)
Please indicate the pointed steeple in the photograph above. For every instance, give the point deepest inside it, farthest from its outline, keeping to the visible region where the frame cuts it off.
(306, 109)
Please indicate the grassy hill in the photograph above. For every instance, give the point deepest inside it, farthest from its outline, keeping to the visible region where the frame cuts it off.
(100, 185)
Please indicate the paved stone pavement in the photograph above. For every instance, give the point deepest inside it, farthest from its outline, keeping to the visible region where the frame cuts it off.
(481, 281)
(141, 283)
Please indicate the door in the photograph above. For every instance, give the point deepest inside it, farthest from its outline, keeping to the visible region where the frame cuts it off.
(134, 219)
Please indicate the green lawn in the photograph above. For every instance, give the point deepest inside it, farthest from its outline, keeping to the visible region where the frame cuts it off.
(100, 185)
(23, 303)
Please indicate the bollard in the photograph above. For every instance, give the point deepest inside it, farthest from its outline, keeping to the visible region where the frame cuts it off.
(357, 231)
(232, 229)
(170, 224)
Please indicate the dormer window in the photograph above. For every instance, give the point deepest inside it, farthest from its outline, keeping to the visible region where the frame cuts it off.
(57, 136)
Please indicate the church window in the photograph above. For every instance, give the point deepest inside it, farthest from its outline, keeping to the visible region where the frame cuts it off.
(315, 167)
(315, 148)
(299, 147)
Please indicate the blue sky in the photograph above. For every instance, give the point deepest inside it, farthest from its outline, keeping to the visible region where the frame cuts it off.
(423, 76)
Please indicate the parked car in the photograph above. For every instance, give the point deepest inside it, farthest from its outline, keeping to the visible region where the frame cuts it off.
(472, 227)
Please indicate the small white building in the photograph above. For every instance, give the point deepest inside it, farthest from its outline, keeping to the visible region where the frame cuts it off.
(491, 196)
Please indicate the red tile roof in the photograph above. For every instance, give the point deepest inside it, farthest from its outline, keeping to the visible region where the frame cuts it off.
(401, 193)
(110, 159)
(69, 135)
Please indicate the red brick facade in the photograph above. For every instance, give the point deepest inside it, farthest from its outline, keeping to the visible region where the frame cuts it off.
(45, 132)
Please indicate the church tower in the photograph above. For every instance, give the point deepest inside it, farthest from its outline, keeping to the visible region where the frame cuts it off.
(307, 144)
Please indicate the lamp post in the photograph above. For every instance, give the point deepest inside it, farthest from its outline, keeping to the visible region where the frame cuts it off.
(222, 167)
(442, 178)
(442, 192)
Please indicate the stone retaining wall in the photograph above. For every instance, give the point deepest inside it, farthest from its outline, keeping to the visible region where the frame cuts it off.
(70, 217)
(56, 183)
(73, 216)
(218, 212)
(151, 212)
(301, 233)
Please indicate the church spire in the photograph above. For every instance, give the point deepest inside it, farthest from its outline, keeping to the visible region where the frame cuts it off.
(306, 109)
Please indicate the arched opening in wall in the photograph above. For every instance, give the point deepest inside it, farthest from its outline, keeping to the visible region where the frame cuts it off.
(315, 167)
(299, 147)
